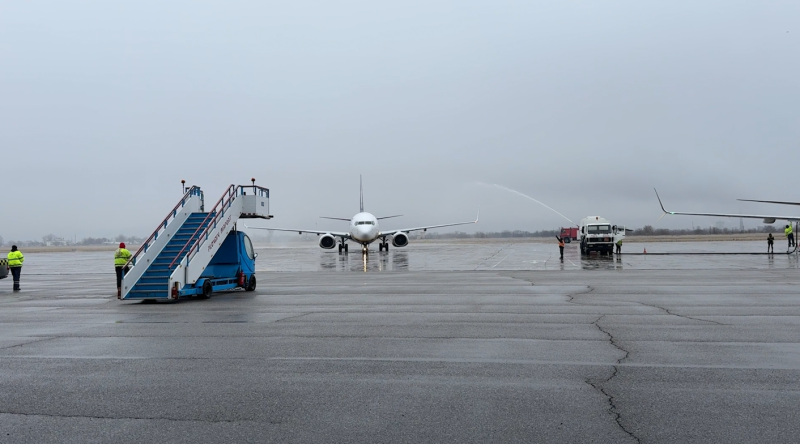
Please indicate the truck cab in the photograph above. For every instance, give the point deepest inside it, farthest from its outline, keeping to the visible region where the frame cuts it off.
(597, 234)
(233, 266)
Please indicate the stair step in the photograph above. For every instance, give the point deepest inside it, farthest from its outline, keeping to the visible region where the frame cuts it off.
(149, 287)
(147, 293)
(155, 280)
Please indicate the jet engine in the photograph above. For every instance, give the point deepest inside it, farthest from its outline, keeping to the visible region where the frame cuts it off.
(400, 239)
(327, 241)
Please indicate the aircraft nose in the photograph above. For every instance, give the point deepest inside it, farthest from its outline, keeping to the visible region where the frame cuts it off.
(361, 232)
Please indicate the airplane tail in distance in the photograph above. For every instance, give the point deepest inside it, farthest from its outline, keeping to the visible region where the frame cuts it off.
(361, 189)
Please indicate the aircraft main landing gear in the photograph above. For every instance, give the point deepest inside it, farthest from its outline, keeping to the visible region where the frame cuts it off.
(342, 247)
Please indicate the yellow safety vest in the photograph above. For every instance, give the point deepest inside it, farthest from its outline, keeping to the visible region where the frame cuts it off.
(788, 230)
(15, 259)
(121, 257)
(619, 242)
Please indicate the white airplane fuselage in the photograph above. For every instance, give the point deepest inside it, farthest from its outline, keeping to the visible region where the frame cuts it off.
(364, 228)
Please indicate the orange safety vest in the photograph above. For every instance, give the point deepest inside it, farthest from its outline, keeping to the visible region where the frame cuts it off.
(561, 243)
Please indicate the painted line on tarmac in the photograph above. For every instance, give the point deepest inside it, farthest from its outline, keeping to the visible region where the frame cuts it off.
(501, 260)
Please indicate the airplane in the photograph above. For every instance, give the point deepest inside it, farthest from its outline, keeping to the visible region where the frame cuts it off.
(364, 230)
(768, 219)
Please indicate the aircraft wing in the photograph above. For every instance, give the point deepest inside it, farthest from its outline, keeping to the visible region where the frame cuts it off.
(768, 218)
(408, 230)
(779, 202)
(301, 231)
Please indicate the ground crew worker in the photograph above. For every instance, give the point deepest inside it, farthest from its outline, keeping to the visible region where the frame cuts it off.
(619, 246)
(770, 241)
(561, 246)
(789, 235)
(15, 260)
(121, 257)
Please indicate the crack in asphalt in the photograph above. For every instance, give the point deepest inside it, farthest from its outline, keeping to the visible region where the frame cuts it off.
(599, 385)
(571, 296)
(678, 315)
(48, 338)
(294, 317)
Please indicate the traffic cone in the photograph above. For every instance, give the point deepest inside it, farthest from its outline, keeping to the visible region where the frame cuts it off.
(645, 251)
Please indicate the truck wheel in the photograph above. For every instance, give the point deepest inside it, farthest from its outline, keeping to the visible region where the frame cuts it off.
(251, 284)
(567, 240)
(207, 290)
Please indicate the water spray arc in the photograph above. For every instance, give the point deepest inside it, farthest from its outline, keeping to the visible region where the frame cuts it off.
(527, 197)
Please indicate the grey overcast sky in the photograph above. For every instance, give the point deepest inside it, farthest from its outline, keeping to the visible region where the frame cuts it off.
(106, 105)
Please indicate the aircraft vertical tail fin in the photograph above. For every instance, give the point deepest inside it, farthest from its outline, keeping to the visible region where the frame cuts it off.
(361, 192)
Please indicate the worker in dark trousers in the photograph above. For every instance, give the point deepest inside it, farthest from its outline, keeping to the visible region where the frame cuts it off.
(770, 241)
(121, 257)
(561, 246)
(789, 235)
(15, 260)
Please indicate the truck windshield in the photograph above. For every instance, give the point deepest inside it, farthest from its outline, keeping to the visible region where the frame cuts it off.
(599, 229)
(248, 247)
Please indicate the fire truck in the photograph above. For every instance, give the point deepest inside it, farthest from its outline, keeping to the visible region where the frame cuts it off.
(568, 234)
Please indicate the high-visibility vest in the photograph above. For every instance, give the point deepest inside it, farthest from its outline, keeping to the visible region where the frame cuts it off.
(15, 259)
(788, 230)
(561, 243)
(619, 242)
(121, 257)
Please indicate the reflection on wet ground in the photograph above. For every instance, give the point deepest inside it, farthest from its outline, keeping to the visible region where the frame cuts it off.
(500, 255)
(461, 256)
(374, 261)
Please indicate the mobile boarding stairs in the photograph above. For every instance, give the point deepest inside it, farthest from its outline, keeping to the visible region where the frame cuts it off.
(175, 256)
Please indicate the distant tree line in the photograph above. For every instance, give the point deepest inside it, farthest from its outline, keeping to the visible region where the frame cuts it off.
(53, 240)
(647, 230)
(489, 234)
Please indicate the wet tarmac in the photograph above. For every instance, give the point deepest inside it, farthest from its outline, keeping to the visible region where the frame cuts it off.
(448, 342)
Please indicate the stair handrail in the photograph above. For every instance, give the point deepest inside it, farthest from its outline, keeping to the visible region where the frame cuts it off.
(194, 190)
(257, 190)
(230, 193)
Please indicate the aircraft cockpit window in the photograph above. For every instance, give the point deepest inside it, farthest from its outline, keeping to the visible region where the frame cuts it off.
(365, 222)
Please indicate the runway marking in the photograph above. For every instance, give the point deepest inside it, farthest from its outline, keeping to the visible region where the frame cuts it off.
(495, 254)
(501, 260)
